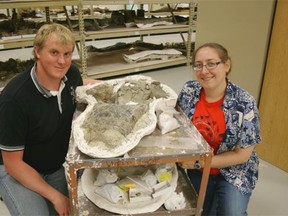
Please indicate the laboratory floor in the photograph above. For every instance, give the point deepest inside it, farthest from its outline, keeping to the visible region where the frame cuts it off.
(271, 193)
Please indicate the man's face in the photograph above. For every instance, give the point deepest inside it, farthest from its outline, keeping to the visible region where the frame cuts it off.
(54, 58)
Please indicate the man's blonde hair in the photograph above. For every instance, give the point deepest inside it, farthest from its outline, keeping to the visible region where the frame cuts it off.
(64, 35)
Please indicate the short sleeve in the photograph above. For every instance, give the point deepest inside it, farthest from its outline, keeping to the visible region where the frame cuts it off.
(13, 126)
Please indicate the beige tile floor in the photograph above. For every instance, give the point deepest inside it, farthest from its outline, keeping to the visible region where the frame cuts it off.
(271, 193)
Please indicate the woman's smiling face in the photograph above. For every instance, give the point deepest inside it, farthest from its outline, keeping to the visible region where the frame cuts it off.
(211, 77)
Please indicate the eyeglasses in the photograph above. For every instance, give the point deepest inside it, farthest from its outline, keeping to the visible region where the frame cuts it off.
(209, 66)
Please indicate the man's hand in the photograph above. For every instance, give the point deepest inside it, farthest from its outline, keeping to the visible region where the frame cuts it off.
(90, 81)
(61, 204)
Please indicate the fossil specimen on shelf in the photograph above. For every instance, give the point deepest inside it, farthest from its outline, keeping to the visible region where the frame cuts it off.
(152, 55)
(12, 67)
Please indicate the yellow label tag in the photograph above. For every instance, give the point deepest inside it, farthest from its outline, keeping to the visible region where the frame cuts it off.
(165, 176)
(126, 187)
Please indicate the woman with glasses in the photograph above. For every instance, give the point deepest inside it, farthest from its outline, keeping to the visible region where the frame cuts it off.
(227, 117)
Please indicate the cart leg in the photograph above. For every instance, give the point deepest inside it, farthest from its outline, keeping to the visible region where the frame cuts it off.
(72, 188)
(203, 186)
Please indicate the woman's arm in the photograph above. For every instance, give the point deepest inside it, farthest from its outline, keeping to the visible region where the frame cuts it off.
(230, 158)
(225, 159)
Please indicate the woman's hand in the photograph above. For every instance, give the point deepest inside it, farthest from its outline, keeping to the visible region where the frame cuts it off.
(192, 165)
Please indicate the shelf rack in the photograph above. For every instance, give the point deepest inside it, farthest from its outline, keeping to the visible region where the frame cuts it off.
(94, 71)
(101, 71)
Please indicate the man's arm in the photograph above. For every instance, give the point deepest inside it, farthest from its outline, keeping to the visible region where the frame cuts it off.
(30, 178)
(90, 81)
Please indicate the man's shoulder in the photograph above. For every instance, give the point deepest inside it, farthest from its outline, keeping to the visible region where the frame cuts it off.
(16, 84)
(73, 69)
(74, 75)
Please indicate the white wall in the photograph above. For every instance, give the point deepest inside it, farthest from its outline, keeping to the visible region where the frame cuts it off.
(243, 27)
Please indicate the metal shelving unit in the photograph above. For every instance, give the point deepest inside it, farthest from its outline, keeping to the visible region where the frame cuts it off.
(111, 69)
(27, 40)
(35, 3)
(94, 71)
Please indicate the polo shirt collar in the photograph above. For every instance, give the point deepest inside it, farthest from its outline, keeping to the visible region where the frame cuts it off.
(46, 93)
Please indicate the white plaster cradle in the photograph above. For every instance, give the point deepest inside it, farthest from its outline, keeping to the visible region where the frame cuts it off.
(104, 98)
(106, 139)
(126, 207)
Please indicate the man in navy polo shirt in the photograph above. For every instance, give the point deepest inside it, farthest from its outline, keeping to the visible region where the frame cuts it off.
(36, 110)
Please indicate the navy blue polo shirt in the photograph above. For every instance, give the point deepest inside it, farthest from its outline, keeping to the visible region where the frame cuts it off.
(31, 119)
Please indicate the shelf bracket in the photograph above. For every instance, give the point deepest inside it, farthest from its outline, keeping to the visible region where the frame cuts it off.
(47, 12)
(70, 27)
(175, 21)
(83, 56)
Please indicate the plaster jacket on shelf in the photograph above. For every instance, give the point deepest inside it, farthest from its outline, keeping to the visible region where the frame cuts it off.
(130, 194)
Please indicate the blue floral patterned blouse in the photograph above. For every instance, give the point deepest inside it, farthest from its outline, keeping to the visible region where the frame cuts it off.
(242, 129)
